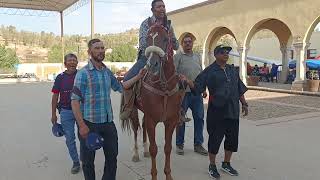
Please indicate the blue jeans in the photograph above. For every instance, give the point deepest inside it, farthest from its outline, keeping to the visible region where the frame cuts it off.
(195, 103)
(68, 122)
(141, 62)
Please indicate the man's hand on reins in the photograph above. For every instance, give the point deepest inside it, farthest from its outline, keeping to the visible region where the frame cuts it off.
(142, 73)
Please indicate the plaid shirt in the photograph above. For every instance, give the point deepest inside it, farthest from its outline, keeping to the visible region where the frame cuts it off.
(143, 33)
(92, 87)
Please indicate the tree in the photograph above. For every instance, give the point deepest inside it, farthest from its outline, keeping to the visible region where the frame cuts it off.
(55, 54)
(122, 53)
(8, 59)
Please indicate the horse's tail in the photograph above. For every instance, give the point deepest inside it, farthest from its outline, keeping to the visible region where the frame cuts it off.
(132, 121)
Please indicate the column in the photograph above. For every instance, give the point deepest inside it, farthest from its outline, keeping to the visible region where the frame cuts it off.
(243, 52)
(285, 64)
(300, 50)
(92, 19)
(62, 39)
(301, 55)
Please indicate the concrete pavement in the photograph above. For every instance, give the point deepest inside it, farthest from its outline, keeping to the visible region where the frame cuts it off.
(286, 150)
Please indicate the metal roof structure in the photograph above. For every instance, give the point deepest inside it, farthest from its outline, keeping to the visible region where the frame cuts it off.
(46, 5)
(50, 6)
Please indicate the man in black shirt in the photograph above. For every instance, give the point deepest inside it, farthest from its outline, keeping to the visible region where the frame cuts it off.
(225, 89)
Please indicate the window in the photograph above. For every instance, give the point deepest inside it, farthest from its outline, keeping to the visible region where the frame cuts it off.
(312, 53)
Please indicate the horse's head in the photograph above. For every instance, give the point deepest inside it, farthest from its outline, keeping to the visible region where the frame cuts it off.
(158, 43)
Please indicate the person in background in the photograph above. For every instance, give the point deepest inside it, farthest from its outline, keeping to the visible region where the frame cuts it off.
(61, 90)
(189, 64)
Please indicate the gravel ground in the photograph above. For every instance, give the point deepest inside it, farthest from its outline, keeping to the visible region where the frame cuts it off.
(261, 106)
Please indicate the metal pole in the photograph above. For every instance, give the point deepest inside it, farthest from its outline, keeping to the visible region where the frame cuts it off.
(92, 19)
(62, 37)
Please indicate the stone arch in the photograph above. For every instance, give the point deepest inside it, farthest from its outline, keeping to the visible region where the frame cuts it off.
(212, 40)
(279, 28)
(184, 34)
(310, 30)
(282, 32)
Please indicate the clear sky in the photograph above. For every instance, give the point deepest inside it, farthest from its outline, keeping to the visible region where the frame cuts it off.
(111, 16)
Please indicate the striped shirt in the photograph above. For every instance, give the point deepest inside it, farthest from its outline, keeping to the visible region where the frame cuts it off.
(63, 86)
(92, 87)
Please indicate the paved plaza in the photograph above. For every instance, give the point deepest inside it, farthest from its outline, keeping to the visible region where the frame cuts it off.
(279, 140)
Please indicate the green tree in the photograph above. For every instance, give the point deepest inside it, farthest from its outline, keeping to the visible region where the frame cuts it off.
(55, 54)
(122, 53)
(8, 59)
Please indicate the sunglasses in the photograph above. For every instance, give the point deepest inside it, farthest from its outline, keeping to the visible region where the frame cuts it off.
(223, 52)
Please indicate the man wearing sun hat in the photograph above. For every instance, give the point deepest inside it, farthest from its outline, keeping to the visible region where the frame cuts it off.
(226, 90)
(189, 64)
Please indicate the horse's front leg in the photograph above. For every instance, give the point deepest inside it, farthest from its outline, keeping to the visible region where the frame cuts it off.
(170, 126)
(145, 139)
(135, 127)
(153, 149)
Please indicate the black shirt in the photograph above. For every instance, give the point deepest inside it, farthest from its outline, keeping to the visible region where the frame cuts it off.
(225, 88)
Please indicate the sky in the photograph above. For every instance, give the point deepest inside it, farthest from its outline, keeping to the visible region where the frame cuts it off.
(111, 16)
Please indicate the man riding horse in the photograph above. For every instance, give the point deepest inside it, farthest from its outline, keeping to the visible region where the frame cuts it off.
(159, 16)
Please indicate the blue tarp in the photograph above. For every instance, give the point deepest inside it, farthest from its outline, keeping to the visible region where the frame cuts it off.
(311, 64)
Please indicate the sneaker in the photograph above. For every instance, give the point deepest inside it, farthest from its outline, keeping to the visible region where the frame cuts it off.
(200, 150)
(226, 167)
(179, 150)
(213, 172)
(75, 168)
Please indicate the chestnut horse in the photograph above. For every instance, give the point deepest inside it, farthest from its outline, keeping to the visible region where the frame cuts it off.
(160, 97)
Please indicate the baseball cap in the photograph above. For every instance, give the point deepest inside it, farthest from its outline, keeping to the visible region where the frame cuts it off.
(57, 130)
(219, 48)
(94, 141)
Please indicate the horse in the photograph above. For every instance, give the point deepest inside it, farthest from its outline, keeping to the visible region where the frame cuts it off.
(160, 97)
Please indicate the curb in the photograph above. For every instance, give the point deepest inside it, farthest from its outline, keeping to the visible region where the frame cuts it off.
(303, 93)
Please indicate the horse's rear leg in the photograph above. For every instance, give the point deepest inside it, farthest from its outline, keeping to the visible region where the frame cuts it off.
(151, 130)
(135, 127)
(145, 139)
(170, 126)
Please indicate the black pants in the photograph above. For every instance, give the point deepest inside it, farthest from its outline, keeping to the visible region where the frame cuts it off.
(109, 132)
(219, 127)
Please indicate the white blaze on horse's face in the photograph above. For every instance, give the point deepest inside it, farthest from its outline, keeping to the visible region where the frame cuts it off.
(154, 37)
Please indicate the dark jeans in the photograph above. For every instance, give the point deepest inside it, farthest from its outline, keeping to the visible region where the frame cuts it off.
(109, 132)
(195, 103)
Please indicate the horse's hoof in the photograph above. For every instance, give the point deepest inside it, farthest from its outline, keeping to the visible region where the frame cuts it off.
(135, 159)
(146, 154)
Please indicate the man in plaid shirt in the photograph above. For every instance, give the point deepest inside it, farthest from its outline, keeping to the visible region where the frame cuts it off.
(91, 104)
